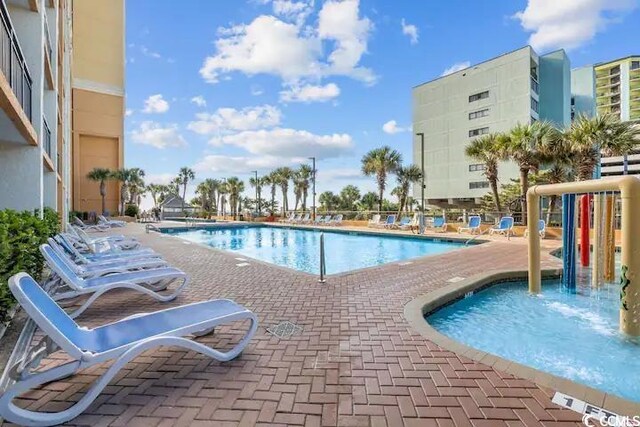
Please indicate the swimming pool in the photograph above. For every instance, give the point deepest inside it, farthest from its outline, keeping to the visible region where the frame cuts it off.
(300, 249)
(571, 335)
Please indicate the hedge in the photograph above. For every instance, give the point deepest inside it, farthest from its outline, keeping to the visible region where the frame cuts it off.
(21, 234)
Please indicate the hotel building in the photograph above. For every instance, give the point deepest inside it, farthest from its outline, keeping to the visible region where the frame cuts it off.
(62, 102)
(493, 96)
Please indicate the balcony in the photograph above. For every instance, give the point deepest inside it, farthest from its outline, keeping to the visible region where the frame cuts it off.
(16, 96)
(46, 144)
(48, 54)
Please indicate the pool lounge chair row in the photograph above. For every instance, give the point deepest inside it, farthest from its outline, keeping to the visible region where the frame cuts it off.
(406, 223)
(85, 266)
(320, 220)
(504, 226)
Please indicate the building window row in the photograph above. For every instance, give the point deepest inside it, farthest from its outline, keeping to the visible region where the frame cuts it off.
(477, 167)
(534, 105)
(635, 65)
(534, 85)
(478, 184)
(478, 132)
(479, 96)
(478, 114)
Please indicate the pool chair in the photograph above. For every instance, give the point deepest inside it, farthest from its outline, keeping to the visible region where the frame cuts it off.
(505, 226)
(67, 284)
(105, 267)
(306, 218)
(542, 229)
(111, 242)
(289, 218)
(120, 342)
(80, 224)
(438, 224)
(374, 221)
(473, 226)
(82, 254)
(336, 221)
(390, 222)
(405, 223)
(102, 220)
(322, 220)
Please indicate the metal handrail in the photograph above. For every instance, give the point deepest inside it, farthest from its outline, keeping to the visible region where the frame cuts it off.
(476, 236)
(323, 266)
(13, 63)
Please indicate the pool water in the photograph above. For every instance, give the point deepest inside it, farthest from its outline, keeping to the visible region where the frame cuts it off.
(300, 249)
(571, 335)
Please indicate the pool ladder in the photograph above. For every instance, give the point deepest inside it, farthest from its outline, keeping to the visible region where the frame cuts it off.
(323, 266)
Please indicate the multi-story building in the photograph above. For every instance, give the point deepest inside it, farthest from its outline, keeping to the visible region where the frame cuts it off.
(62, 101)
(493, 96)
(611, 87)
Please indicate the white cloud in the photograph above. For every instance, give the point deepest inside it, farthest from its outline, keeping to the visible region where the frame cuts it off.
(256, 90)
(217, 164)
(391, 127)
(128, 112)
(225, 120)
(288, 143)
(157, 135)
(199, 101)
(149, 53)
(155, 104)
(410, 30)
(253, 48)
(296, 11)
(458, 66)
(569, 24)
(310, 93)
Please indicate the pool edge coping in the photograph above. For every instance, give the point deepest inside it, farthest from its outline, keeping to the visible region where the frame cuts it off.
(415, 310)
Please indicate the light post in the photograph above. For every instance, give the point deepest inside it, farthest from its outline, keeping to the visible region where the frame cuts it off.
(313, 177)
(258, 210)
(421, 135)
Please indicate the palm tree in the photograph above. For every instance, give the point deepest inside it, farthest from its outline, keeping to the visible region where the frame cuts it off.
(202, 191)
(124, 177)
(328, 200)
(349, 196)
(369, 200)
(136, 185)
(212, 185)
(271, 180)
(304, 173)
(487, 149)
(283, 176)
(155, 191)
(257, 183)
(406, 175)
(222, 192)
(588, 136)
(381, 162)
(185, 176)
(174, 186)
(523, 145)
(234, 187)
(101, 175)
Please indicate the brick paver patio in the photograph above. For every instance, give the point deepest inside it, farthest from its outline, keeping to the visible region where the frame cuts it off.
(356, 362)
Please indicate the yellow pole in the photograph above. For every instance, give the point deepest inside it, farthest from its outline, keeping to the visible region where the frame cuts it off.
(610, 241)
(597, 241)
(630, 270)
(533, 215)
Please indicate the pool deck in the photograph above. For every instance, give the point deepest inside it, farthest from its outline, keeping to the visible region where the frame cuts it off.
(356, 361)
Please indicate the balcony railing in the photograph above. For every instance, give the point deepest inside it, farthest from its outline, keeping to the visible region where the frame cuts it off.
(47, 37)
(13, 64)
(46, 137)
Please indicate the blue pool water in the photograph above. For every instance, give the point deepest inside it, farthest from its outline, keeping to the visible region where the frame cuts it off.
(574, 336)
(300, 249)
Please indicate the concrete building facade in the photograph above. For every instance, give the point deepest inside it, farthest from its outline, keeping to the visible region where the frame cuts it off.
(493, 96)
(43, 48)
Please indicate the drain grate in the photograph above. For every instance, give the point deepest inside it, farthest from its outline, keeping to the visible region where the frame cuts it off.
(284, 329)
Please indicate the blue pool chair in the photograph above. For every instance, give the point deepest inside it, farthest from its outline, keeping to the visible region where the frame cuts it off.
(505, 226)
(67, 284)
(121, 341)
(439, 224)
(542, 229)
(473, 226)
(390, 222)
(405, 223)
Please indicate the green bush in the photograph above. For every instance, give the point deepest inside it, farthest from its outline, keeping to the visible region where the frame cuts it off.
(21, 233)
(131, 210)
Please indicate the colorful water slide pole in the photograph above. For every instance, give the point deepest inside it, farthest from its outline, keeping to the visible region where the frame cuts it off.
(568, 241)
(584, 230)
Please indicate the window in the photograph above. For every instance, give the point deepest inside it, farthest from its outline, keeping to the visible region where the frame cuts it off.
(478, 167)
(534, 85)
(534, 105)
(479, 96)
(478, 114)
(478, 132)
(478, 184)
(635, 65)
(534, 72)
(573, 100)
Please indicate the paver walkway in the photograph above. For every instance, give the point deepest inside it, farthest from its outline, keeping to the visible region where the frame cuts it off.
(355, 362)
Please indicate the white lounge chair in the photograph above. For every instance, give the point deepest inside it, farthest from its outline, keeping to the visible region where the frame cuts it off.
(473, 226)
(102, 220)
(82, 254)
(322, 220)
(305, 219)
(70, 285)
(336, 221)
(121, 341)
(374, 221)
(80, 224)
(107, 242)
(505, 226)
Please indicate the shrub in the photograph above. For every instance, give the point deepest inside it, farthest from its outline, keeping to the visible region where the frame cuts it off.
(21, 234)
(131, 210)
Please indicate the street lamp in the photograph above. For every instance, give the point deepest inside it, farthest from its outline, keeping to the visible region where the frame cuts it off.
(313, 177)
(257, 193)
(421, 135)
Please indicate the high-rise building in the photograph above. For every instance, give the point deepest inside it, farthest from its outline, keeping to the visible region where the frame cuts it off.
(493, 96)
(61, 100)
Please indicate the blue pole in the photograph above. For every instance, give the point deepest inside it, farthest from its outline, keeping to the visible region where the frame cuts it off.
(569, 241)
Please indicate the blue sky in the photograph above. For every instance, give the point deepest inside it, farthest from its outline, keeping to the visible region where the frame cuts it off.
(229, 86)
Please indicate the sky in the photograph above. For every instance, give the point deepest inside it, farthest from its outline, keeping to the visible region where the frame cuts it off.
(227, 87)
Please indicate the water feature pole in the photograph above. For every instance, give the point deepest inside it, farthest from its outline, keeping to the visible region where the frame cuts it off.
(569, 241)
(323, 267)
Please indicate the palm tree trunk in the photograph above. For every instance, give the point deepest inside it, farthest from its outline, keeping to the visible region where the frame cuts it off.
(103, 194)
(304, 199)
(380, 194)
(496, 195)
(524, 185)
(553, 200)
(184, 194)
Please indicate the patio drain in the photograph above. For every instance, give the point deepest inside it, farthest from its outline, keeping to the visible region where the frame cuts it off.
(284, 329)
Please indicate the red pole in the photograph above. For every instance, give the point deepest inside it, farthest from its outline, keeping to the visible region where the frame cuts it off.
(585, 246)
